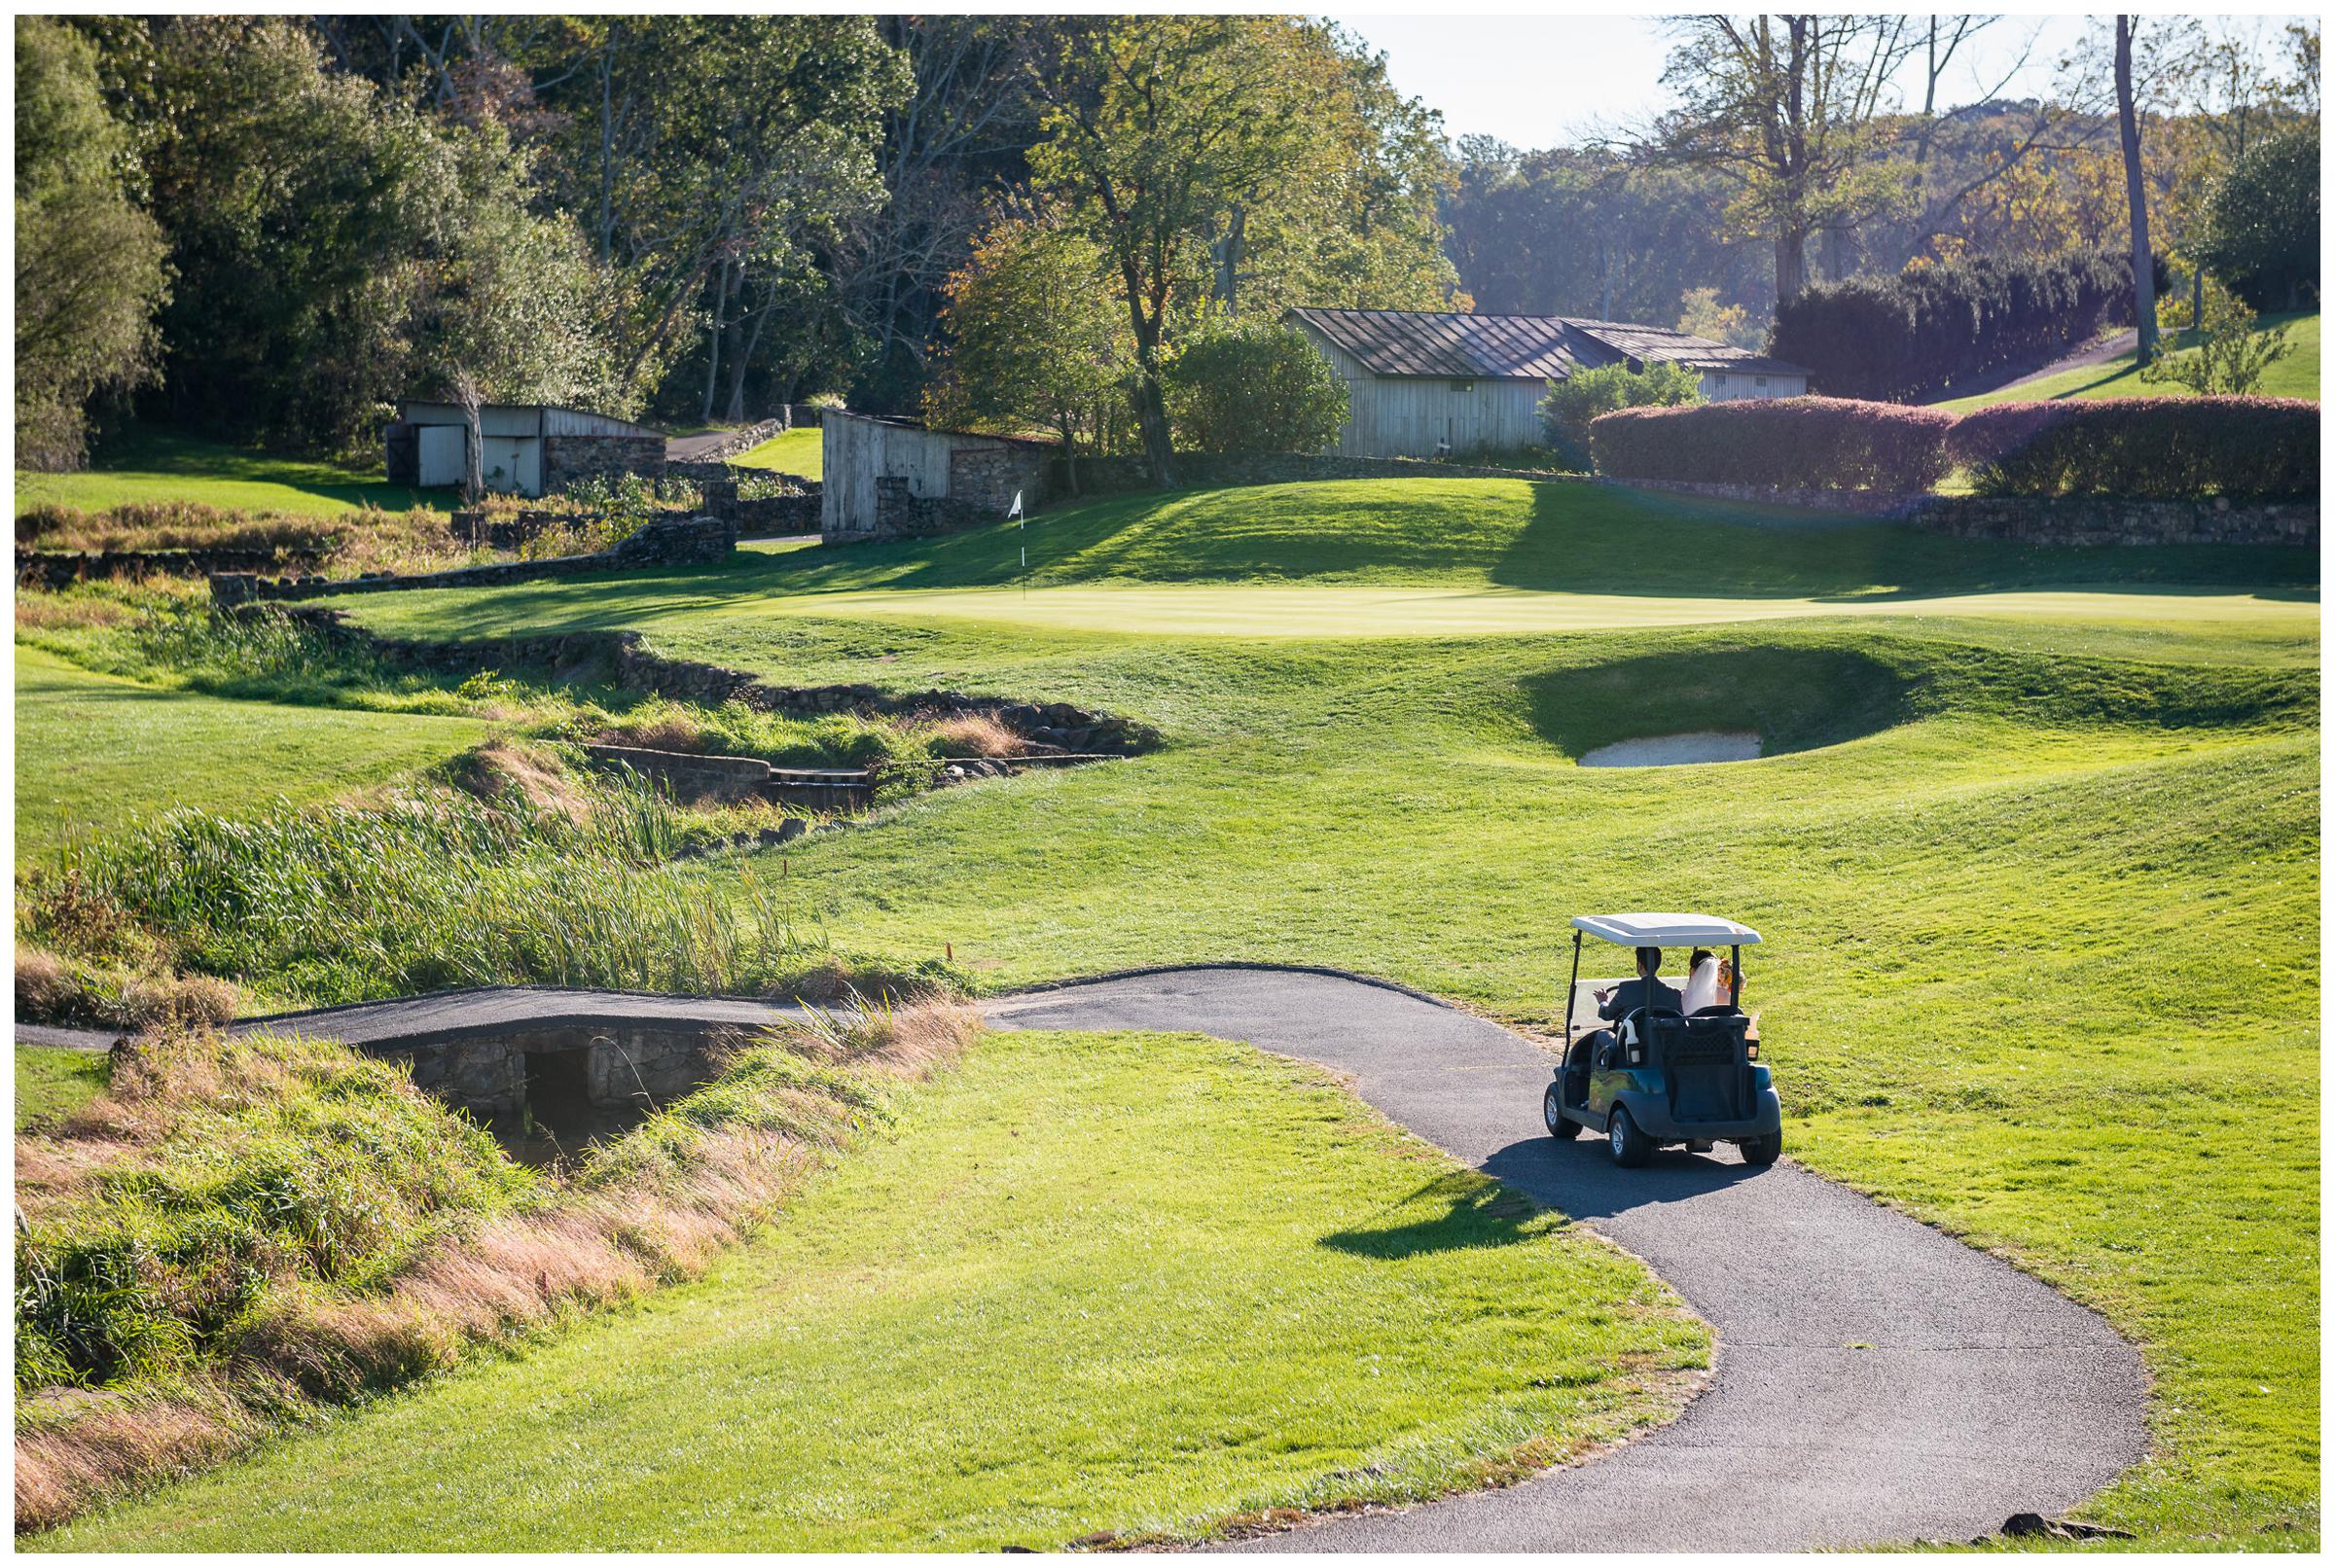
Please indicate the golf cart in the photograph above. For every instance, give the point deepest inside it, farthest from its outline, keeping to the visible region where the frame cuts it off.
(1659, 1077)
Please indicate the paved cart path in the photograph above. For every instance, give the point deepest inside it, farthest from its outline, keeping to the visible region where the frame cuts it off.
(1876, 1381)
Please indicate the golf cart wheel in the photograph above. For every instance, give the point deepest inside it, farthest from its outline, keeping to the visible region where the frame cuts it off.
(1628, 1145)
(1762, 1150)
(1562, 1127)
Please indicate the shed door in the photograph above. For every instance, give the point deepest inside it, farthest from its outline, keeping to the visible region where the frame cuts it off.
(441, 453)
(504, 466)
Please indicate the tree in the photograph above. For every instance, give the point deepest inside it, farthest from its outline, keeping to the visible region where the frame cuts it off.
(1159, 132)
(2230, 352)
(2136, 193)
(90, 263)
(1572, 403)
(2262, 222)
(1701, 313)
(1249, 386)
(1785, 107)
(1035, 336)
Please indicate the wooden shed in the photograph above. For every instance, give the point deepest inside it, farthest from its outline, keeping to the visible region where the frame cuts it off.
(890, 478)
(1423, 383)
(528, 449)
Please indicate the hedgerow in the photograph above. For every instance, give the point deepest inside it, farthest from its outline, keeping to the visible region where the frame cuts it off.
(1785, 443)
(1911, 335)
(2143, 447)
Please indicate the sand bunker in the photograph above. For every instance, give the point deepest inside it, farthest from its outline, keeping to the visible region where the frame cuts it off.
(1667, 751)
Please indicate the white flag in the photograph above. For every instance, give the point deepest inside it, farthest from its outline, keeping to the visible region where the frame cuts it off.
(1014, 511)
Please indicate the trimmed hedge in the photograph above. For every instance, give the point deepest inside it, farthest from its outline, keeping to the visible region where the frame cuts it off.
(1803, 443)
(2143, 448)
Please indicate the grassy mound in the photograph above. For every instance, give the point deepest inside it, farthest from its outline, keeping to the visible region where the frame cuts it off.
(1134, 1284)
(1558, 536)
(241, 1233)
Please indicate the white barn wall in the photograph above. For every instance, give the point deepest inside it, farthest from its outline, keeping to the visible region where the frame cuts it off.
(1733, 386)
(1407, 417)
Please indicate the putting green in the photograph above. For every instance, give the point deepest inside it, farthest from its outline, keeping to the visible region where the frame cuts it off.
(1354, 610)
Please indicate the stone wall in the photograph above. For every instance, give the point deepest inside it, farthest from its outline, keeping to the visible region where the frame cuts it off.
(2067, 520)
(699, 776)
(60, 568)
(621, 659)
(689, 542)
(1112, 476)
(569, 458)
(796, 511)
(987, 478)
(742, 441)
(902, 513)
(486, 1073)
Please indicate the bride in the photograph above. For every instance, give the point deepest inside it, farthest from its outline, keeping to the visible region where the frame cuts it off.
(1703, 986)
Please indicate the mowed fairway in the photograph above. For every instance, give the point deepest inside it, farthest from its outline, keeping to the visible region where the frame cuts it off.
(1131, 1282)
(95, 752)
(2040, 888)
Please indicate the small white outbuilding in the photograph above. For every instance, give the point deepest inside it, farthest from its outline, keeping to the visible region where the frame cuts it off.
(528, 449)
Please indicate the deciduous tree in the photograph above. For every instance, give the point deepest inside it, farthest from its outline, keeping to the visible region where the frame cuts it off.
(90, 263)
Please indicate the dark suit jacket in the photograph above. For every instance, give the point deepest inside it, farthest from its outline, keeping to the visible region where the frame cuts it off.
(1631, 995)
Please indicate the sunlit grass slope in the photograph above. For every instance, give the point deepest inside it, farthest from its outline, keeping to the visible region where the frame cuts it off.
(92, 751)
(1352, 558)
(1131, 1283)
(2294, 377)
(162, 465)
(793, 452)
(2041, 893)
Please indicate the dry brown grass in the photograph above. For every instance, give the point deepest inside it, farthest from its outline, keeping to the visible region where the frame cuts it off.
(662, 1208)
(86, 1446)
(975, 735)
(139, 994)
(503, 770)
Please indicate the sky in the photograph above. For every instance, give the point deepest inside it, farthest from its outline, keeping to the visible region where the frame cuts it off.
(1541, 80)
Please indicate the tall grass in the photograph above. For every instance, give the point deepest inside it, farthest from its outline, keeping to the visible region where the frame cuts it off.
(434, 887)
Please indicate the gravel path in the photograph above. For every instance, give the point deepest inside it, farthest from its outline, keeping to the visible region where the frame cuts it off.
(1876, 1381)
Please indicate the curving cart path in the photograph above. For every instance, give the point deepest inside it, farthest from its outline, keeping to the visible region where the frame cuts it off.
(1876, 1381)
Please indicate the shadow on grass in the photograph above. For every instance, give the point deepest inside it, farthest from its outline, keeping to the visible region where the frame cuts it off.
(1476, 1214)
(1796, 697)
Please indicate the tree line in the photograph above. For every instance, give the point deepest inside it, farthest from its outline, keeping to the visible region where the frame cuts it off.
(268, 228)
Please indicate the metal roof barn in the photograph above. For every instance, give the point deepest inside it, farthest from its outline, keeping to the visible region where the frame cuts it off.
(1423, 383)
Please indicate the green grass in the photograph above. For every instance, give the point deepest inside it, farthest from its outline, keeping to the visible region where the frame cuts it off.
(2041, 887)
(95, 752)
(51, 1079)
(159, 465)
(2294, 377)
(1134, 1283)
(790, 451)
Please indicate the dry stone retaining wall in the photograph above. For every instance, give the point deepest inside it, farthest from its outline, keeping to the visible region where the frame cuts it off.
(61, 568)
(569, 458)
(1110, 476)
(698, 540)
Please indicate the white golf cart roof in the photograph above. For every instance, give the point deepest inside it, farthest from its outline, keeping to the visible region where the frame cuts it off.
(1667, 930)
